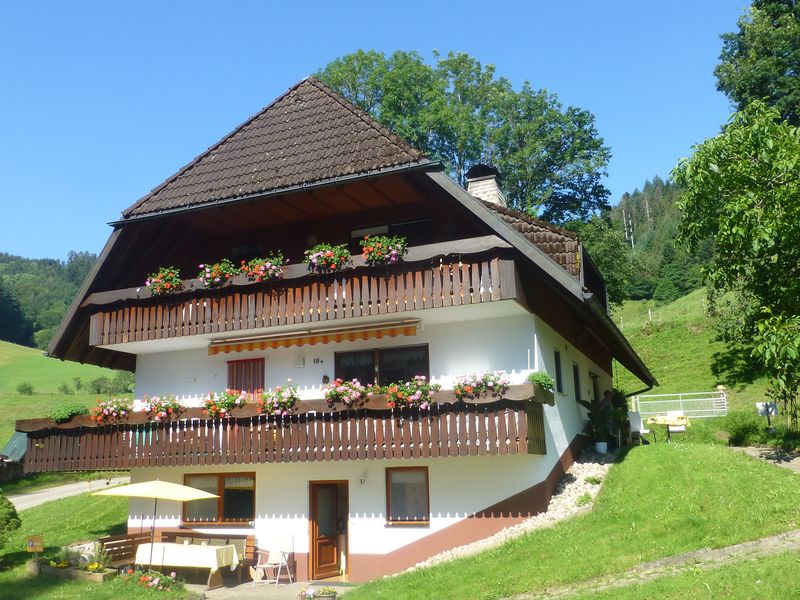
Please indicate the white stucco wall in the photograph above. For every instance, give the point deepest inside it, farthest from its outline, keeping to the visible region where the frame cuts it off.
(458, 485)
(454, 348)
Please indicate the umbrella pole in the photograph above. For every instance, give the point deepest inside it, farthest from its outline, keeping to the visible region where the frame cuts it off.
(153, 530)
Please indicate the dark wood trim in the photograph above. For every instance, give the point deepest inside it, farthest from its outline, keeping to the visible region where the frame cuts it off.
(498, 428)
(389, 520)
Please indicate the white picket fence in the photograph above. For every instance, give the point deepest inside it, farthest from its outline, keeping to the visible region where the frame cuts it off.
(693, 404)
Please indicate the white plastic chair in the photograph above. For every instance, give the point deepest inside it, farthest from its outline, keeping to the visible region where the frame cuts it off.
(637, 425)
(271, 560)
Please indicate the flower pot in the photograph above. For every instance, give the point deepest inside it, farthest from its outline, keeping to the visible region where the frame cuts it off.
(601, 447)
(330, 596)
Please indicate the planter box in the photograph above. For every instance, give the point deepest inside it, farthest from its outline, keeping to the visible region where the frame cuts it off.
(70, 573)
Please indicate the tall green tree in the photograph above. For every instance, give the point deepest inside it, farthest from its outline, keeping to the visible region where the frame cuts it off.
(741, 189)
(458, 111)
(762, 59)
(15, 327)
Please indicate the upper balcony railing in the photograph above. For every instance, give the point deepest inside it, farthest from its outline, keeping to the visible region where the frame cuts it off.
(472, 271)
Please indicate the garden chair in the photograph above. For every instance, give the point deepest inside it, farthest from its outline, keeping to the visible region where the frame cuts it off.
(270, 561)
(637, 425)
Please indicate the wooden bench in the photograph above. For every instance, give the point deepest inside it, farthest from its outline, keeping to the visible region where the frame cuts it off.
(121, 549)
(245, 545)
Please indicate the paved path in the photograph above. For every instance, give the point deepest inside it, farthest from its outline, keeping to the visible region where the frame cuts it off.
(673, 565)
(782, 458)
(25, 501)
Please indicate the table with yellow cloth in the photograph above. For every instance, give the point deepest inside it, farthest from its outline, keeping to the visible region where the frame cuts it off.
(190, 555)
(669, 420)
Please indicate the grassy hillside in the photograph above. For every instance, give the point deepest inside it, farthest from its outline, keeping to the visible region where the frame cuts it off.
(678, 347)
(20, 364)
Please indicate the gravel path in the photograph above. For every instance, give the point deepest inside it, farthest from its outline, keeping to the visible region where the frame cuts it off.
(25, 501)
(563, 504)
(673, 565)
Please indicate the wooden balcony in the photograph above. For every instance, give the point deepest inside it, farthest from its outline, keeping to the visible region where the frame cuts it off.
(434, 276)
(497, 428)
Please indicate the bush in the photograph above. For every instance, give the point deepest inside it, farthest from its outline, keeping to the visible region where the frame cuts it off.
(9, 520)
(64, 389)
(64, 411)
(101, 385)
(25, 388)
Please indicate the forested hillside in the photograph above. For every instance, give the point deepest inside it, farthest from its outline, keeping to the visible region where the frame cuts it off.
(35, 294)
(649, 220)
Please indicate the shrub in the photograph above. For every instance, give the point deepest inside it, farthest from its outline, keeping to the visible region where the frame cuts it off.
(9, 520)
(101, 385)
(25, 388)
(543, 380)
(64, 389)
(64, 411)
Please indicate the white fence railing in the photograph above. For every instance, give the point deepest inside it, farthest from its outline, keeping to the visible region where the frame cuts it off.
(692, 404)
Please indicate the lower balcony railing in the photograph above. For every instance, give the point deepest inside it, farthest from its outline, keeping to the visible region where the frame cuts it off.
(497, 428)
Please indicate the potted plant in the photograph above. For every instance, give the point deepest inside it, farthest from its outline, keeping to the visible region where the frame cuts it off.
(164, 407)
(167, 280)
(221, 404)
(324, 258)
(417, 393)
(472, 387)
(217, 274)
(383, 249)
(110, 410)
(601, 421)
(281, 400)
(543, 386)
(349, 394)
(264, 269)
(326, 592)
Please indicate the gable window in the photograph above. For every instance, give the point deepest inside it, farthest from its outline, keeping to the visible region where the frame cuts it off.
(383, 365)
(407, 499)
(559, 379)
(247, 375)
(236, 502)
(417, 232)
(576, 380)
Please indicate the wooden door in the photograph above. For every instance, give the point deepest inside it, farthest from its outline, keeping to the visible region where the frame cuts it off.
(324, 531)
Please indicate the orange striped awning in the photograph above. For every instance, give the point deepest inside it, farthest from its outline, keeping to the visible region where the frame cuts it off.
(311, 338)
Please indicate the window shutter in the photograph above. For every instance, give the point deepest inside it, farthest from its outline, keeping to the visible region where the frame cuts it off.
(534, 413)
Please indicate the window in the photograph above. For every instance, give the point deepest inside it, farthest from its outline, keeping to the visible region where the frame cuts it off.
(416, 232)
(407, 495)
(384, 365)
(559, 380)
(576, 380)
(236, 502)
(247, 375)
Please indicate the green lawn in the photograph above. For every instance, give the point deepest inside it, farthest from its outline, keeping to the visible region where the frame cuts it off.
(22, 364)
(79, 518)
(659, 501)
(34, 482)
(771, 577)
(678, 348)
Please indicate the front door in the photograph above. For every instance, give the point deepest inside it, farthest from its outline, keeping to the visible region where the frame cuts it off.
(324, 530)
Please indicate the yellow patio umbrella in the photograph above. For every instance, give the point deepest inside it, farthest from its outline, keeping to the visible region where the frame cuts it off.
(157, 490)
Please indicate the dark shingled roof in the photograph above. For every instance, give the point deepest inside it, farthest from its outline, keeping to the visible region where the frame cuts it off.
(559, 244)
(310, 134)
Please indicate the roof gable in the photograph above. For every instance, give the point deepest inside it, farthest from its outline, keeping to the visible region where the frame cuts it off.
(308, 135)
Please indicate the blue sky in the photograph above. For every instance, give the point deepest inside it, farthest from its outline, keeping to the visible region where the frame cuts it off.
(101, 101)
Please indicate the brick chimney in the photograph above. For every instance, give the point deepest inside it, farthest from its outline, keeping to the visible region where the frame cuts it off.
(483, 182)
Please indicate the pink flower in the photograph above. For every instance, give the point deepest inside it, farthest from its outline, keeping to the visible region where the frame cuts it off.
(173, 574)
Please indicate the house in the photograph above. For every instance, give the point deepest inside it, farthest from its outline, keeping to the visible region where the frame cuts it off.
(361, 492)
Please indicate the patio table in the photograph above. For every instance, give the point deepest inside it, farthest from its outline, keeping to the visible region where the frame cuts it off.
(190, 555)
(669, 421)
